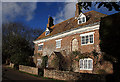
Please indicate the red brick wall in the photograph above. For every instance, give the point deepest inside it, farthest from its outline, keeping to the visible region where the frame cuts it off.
(66, 44)
(66, 48)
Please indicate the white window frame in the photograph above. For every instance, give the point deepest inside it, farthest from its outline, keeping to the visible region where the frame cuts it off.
(40, 45)
(83, 67)
(58, 43)
(87, 34)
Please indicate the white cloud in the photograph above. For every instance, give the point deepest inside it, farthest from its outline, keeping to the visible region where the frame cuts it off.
(67, 12)
(11, 10)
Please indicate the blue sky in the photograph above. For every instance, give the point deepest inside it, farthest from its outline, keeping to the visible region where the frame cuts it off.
(35, 14)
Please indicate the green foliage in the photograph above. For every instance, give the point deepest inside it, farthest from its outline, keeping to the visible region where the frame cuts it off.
(44, 61)
(76, 55)
(55, 62)
(17, 39)
(101, 71)
(109, 36)
(95, 54)
(109, 5)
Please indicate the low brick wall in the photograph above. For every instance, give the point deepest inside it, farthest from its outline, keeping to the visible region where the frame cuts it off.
(67, 75)
(28, 69)
(11, 65)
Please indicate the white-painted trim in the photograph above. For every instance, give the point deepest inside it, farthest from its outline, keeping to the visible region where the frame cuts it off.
(40, 44)
(38, 59)
(85, 34)
(80, 30)
(58, 40)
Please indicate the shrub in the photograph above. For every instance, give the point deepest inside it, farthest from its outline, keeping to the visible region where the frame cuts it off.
(101, 71)
(44, 61)
(95, 54)
(55, 62)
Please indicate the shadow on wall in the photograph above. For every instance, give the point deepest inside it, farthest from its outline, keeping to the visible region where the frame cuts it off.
(110, 43)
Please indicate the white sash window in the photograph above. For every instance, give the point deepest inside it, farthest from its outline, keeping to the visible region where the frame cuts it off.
(86, 64)
(58, 43)
(87, 38)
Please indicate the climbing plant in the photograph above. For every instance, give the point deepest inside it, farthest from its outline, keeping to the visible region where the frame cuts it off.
(44, 61)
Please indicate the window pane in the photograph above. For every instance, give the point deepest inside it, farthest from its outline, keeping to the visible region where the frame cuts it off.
(90, 64)
(81, 64)
(80, 22)
(83, 19)
(91, 38)
(83, 40)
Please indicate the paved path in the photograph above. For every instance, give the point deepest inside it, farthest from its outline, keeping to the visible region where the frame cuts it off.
(11, 74)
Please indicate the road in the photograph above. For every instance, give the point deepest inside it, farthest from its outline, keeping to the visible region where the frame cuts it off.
(12, 75)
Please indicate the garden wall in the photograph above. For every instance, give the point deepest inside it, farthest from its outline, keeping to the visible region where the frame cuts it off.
(11, 65)
(28, 69)
(67, 75)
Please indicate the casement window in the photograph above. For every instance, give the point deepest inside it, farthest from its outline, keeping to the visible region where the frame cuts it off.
(40, 47)
(87, 38)
(58, 43)
(47, 33)
(81, 20)
(86, 64)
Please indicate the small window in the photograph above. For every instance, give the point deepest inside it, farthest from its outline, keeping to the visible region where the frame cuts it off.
(40, 47)
(86, 64)
(47, 33)
(58, 43)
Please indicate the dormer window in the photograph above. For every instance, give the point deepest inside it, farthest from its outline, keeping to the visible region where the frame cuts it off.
(47, 32)
(81, 19)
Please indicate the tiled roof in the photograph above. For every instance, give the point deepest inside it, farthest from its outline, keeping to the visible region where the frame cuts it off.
(92, 17)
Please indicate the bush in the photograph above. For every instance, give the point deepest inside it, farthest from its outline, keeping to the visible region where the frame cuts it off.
(16, 66)
(22, 59)
(40, 72)
(44, 61)
(101, 71)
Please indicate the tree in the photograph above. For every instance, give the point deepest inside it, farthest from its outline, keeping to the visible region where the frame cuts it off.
(108, 5)
(17, 42)
(109, 44)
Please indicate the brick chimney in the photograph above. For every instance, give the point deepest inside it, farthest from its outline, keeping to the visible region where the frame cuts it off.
(50, 22)
(78, 10)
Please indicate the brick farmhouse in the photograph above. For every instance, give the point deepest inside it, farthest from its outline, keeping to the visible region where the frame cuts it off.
(79, 33)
